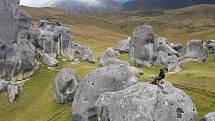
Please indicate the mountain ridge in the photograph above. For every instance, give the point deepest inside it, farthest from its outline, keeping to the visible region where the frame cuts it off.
(162, 4)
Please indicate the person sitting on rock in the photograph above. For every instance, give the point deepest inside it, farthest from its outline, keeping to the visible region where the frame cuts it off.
(158, 78)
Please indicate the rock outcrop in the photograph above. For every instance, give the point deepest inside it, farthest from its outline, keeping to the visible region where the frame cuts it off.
(195, 50)
(16, 52)
(123, 46)
(114, 62)
(52, 38)
(111, 78)
(141, 50)
(173, 63)
(146, 102)
(3, 85)
(13, 92)
(209, 117)
(211, 46)
(65, 85)
(109, 53)
(85, 53)
(109, 58)
(144, 50)
(50, 61)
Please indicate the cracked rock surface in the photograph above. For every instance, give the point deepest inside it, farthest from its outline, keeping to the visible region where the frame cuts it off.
(111, 78)
(146, 102)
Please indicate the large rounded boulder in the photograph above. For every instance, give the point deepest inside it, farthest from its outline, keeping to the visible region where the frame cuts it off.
(111, 78)
(146, 102)
(141, 46)
(209, 117)
(65, 85)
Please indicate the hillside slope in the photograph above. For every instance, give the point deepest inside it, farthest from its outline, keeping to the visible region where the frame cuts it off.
(162, 4)
(102, 31)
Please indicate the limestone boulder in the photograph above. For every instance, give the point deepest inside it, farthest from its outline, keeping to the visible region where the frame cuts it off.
(173, 63)
(114, 62)
(13, 92)
(52, 38)
(209, 117)
(161, 44)
(3, 85)
(123, 46)
(65, 85)
(111, 78)
(141, 46)
(50, 61)
(195, 50)
(87, 55)
(108, 54)
(17, 59)
(146, 102)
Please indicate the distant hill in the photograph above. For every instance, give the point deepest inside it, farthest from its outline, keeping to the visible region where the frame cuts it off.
(89, 7)
(162, 4)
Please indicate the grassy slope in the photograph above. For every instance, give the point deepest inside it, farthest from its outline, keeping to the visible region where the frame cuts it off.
(99, 32)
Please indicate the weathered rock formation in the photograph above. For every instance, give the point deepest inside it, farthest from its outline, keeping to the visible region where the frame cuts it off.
(195, 50)
(173, 63)
(13, 92)
(3, 85)
(65, 85)
(109, 53)
(162, 50)
(50, 61)
(16, 52)
(147, 51)
(111, 78)
(209, 117)
(85, 53)
(141, 50)
(109, 58)
(114, 62)
(123, 46)
(146, 102)
(211, 46)
(52, 38)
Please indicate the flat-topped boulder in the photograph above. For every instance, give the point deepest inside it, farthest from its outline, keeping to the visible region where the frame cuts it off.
(146, 102)
(111, 78)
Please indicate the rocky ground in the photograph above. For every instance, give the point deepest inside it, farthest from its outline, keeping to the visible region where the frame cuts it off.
(36, 100)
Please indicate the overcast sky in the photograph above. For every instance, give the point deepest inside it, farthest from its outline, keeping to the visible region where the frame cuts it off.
(42, 3)
(35, 3)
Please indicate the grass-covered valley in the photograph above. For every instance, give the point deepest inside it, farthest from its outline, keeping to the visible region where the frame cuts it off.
(36, 102)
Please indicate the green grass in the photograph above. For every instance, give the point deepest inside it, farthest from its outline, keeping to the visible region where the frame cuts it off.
(36, 103)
